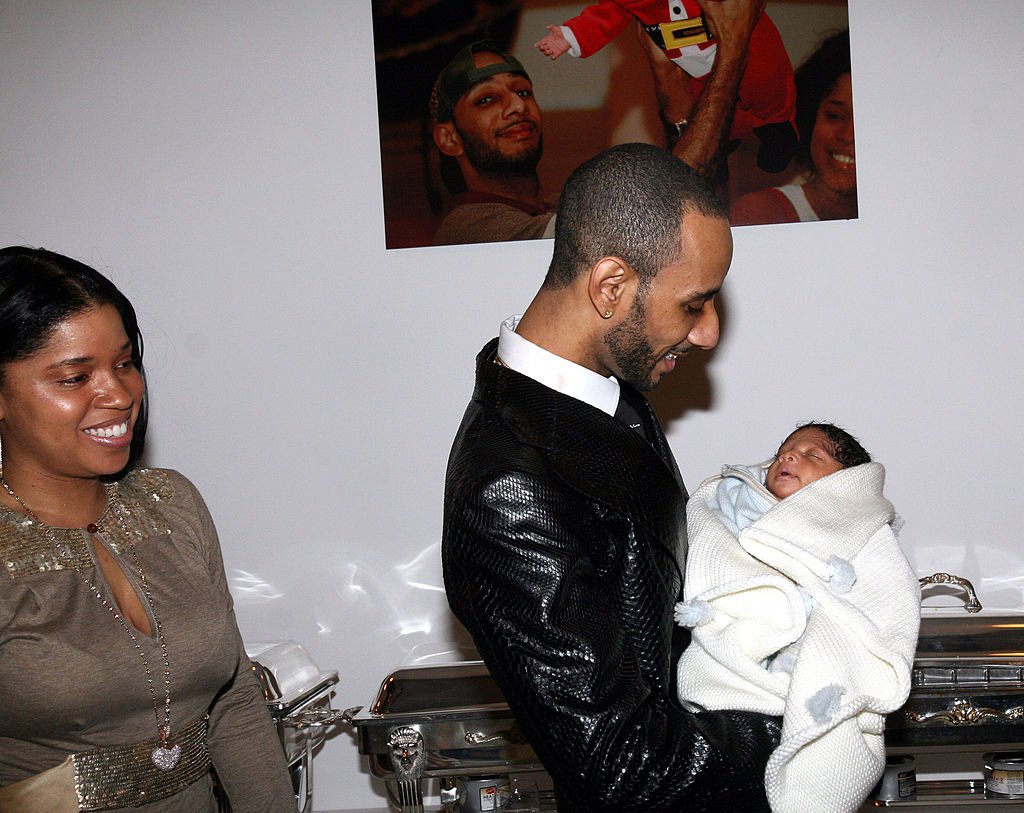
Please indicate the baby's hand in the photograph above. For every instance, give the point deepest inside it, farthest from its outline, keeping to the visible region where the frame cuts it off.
(553, 44)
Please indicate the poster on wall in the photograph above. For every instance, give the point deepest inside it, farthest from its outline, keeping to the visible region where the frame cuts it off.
(486, 107)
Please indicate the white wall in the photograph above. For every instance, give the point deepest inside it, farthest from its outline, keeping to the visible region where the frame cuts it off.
(220, 162)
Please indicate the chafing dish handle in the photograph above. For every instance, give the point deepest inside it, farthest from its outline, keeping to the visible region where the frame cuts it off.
(511, 736)
(320, 717)
(971, 603)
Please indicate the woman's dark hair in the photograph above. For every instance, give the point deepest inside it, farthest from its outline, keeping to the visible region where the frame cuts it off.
(846, 449)
(39, 289)
(814, 79)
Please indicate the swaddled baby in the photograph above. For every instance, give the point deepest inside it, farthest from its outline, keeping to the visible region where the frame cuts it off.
(802, 605)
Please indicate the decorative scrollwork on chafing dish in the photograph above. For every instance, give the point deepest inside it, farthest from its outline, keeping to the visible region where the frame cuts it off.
(964, 712)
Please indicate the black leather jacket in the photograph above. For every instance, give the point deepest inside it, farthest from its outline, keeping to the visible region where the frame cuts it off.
(562, 547)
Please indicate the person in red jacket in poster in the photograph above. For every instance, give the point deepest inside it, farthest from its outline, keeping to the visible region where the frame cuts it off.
(766, 105)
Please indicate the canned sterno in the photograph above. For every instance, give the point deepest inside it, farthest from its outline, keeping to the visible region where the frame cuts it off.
(1004, 774)
(899, 782)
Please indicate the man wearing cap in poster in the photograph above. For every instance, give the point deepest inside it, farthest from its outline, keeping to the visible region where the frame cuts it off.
(487, 126)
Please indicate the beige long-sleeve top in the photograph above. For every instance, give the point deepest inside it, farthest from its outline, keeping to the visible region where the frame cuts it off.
(71, 679)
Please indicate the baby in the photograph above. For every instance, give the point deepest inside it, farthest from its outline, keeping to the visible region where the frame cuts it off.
(802, 605)
(811, 452)
(767, 92)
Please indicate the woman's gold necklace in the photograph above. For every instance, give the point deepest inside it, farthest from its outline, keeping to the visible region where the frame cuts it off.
(166, 755)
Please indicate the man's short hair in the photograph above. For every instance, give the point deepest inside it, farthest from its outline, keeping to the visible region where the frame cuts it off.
(627, 202)
(459, 75)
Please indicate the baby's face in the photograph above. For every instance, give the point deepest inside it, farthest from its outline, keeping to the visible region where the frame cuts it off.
(805, 456)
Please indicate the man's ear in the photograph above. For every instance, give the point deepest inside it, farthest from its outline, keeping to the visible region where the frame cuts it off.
(447, 139)
(610, 286)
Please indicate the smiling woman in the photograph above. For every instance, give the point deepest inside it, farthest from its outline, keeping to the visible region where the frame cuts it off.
(70, 409)
(125, 681)
(54, 314)
(825, 120)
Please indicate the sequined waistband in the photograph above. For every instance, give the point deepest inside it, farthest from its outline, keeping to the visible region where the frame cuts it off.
(126, 776)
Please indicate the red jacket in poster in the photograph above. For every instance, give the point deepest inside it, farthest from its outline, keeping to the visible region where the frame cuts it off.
(767, 93)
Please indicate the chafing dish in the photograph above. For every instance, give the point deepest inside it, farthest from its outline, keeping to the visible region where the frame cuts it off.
(444, 721)
(967, 685)
(966, 697)
(298, 695)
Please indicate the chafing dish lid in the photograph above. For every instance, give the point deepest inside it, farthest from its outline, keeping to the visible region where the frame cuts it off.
(990, 637)
(287, 674)
(465, 686)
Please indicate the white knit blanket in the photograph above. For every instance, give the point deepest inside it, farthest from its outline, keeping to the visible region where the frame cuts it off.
(857, 633)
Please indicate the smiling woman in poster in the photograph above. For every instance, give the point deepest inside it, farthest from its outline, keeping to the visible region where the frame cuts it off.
(824, 116)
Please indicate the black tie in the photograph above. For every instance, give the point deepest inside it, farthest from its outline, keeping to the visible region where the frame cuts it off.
(632, 410)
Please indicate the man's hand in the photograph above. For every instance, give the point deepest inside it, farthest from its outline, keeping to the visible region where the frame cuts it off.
(671, 86)
(731, 23)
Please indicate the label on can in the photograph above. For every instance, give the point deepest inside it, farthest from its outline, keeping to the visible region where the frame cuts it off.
(1006, 783)
(899, 780)
(907, 784)
(481, 794)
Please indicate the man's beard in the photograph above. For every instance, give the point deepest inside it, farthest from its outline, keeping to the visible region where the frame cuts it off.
(631, 351)
(492, 162)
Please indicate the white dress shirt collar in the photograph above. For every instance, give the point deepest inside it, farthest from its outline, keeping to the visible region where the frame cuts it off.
(555, 372)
